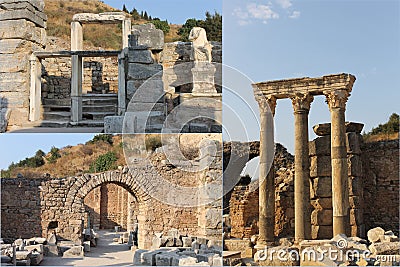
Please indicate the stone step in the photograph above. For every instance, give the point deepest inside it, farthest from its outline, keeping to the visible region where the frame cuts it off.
(97, 115)
(154, 128)
(89, 123)
(57, 115)
(57, 102)
(53, 124)
(95, 101)
(100, 108)
(50, 108)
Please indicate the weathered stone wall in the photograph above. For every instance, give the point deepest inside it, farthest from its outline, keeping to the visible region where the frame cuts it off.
(381, 184)
(21, 208)
(321, 186)
(22, 31)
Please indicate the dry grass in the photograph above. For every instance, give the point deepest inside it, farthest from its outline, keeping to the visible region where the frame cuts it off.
(381, 137)
(75, 160)
(60, 13)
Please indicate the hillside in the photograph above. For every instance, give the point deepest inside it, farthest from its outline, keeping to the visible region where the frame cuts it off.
(386, 131)
(60, 13)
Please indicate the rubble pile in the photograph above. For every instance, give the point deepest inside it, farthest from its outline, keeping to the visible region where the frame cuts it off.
(174, 249)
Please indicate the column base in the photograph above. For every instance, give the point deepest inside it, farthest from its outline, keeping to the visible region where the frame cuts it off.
(341, 225)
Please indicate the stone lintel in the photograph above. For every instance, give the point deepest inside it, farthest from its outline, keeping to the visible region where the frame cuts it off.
(107, 17)
(313, 86)
(323, 129)
(94, 53)
(38, 18)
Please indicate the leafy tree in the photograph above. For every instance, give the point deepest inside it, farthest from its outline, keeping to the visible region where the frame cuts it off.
(212, 24)
(135, 14)
(161, 24)
(125, 9)
(104, 162)
(107, 138)
(392, 126)
(54, 154)
(145, 16)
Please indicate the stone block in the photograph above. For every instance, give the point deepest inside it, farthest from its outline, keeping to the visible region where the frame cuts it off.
(164, 259)
(322, 203)
(356, 216)
(36, 258)
(148, 36)
(39, 248)
(138, 71)
(205, 258)
(187, 241)
(74, 252)
(140, 56)
(149, 258)
(321, 231)
(374, 234)
(320, 166)
(385, 248)
(137, 256)
(26, 262)
(320, 146)
(217, 261)
(183, 261)
(321, 217)
(113, 124)
(51, 250)
(22, 255)
(86, 246)
(322, 187)
(14, 62)
(22, 29)
(355, 186)
(353, 143)
(198, 128)
(40, 240)
(36, 18)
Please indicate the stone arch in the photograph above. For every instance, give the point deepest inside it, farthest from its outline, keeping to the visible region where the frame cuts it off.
(82, 185)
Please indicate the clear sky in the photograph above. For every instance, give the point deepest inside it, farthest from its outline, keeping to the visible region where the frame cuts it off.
(18, 146)
(279, 39)
(175, 11)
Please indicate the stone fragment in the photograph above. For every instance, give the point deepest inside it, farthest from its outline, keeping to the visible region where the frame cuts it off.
(22, 255)
(163, 259)
(74, 252)
(40, 240)
(173, 232)
(138, 71)
(140, 56)
(148, 36)
(195, 245)
(187, 241)
(36, 258)
(39, 248)
(137, 256)
(385, 248)
(374, 234)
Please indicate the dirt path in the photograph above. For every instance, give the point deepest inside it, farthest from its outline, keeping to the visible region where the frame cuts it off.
(107, 253)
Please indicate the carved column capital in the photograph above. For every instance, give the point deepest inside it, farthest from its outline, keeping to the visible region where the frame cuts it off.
(266, 103)
(337, 98)
(301, 102)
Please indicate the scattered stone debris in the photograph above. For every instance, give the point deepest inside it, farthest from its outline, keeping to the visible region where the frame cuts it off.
(174, 249)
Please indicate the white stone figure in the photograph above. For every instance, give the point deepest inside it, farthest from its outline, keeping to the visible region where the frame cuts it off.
(201, 47)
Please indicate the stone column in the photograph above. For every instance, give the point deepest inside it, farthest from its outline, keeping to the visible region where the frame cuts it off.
(76, 36)
(122, 82)
(76, 88)
(126, 31)
(301, 105)
(35, 88)
(340, 192)
(266, 223)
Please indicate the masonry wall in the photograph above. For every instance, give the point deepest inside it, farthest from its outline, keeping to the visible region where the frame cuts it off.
(381, 184)
(22, 28)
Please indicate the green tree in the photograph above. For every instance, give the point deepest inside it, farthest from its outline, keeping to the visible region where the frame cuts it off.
(392, 126)
(135, 14)
(104, 162)
(161, 24)
(187, 27)
(125, 9)
(212, 24)
(145, 16)
(54, 154)
(107, 138)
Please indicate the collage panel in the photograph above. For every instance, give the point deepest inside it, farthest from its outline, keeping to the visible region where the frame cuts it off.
(199, 133)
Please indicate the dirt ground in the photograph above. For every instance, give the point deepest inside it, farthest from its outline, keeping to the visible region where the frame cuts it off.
(107, 253)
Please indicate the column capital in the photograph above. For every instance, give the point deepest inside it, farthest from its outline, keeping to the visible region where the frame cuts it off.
(266, 103)
(301, 102)
(337, 98)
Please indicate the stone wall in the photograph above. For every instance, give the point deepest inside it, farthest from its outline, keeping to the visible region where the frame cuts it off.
(22, 31)
(321, 186)
(381, 184)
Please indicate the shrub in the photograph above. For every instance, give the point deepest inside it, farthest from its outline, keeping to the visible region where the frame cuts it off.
(212, 24)
(54, 154)
(152, 142)
(390, 127)
(107, 138)
(161, 24)
(104, 162)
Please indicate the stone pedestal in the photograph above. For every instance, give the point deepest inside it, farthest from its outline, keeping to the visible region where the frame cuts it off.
(203, 78)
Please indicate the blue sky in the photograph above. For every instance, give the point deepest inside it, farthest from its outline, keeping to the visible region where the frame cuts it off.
(175, 11)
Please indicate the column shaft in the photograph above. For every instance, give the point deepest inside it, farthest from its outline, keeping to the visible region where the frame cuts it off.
(266, 200)
(340, 190)
(35, 89)
(76, 88)
(302, 176)
(76, 36)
